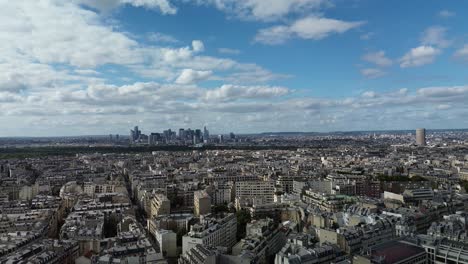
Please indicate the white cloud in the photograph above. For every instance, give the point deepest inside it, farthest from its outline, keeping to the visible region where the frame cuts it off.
(446, 14)
(40, 30)
(229, 51)
(39, 33)
(19, 75)
(435, 36)
(443, 92)
(86, 72)
(372, 73)
(419, 56)
(121, 106)
(51, 79)
(233, 92)
(402, 91)
(189, 76)
(163, 38)
(318, 28)
(198, 46)
(266, 10)
(140, 93)
(311, 27)
(378, 58)
(462, 53)
(274, 35)
(172, 56)
(164, 6)
(369, 94)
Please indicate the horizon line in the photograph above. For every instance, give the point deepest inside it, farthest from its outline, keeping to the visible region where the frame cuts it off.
(258, 133)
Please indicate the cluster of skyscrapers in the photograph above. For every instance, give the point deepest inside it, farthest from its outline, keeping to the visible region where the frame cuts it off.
(185, 136)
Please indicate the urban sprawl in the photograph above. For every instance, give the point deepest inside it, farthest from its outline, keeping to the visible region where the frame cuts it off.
(283, 198)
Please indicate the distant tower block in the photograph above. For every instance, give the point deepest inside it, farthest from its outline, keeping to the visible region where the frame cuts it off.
(421, 136)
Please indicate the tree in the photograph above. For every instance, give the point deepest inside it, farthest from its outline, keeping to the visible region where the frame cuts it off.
(220, 208)
(243, 217)
(110, 226)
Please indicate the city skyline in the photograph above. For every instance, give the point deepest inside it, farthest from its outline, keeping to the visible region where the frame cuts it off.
(347, 198)
(241, 66)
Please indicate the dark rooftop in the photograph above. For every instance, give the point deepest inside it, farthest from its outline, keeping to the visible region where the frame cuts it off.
(396, 251)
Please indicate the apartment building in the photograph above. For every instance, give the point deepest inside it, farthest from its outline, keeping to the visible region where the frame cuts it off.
(212, 231)
(160, 205)
(250, 193)
(201, 203)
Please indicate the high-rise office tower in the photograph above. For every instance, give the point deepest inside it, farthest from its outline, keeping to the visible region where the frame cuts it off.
(206, 134)
(421, 136)
(198, 135)
(168, 135)
(135, 134)
(181, 134)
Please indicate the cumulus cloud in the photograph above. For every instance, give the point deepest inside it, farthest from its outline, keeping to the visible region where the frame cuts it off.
(419, 56)
(233, 102)
(435, 36)
(265, 10)
(18, 75)
(369, 94)
(311, 27)
(233, 92)
(378, 58)
(86, 72)
(41, 30)
(443, 92)
(48, 81)
(198, 46)
(189, 76)
(164, 6)
(140, 93)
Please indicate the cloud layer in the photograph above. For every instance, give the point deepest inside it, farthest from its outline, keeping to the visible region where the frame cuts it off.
(314, 28)
(97, 76)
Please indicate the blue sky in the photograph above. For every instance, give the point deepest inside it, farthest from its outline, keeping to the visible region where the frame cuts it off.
(99, 67)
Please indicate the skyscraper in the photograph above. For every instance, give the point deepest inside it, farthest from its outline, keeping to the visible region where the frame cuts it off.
(181, 134)
(198, 135)
(206, 133)
(421, 136)
(135, 134)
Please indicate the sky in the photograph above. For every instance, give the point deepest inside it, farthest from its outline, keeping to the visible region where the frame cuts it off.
(95, 67)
